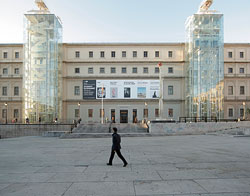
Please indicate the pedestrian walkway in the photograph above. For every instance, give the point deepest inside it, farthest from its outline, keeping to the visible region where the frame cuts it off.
(175, 165)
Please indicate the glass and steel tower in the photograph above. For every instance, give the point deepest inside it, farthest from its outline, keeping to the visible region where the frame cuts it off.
(42, 66)
(204, 65)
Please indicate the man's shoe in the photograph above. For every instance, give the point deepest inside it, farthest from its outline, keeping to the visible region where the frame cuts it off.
(125, 164)
(109, 164)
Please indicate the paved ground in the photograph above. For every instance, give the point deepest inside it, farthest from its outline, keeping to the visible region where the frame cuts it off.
(176, 165)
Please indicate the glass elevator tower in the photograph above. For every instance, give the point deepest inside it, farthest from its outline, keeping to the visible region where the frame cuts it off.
(204, 65)
(42, 66)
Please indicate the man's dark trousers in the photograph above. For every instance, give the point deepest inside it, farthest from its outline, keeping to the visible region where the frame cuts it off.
(118, 152)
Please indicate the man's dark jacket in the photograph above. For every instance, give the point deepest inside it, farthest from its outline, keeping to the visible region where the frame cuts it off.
(116, 141)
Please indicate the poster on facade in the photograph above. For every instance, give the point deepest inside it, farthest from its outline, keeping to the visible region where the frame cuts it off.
(113, 92)
(126, 92)
(127, 89)
(154, 89)
(89, 89)
(101, 92)
(141, 92)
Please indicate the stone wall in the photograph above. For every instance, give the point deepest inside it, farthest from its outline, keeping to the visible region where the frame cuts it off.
(19, 130)
(195, 128)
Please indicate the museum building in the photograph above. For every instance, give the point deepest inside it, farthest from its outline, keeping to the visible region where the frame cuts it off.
(45, 80)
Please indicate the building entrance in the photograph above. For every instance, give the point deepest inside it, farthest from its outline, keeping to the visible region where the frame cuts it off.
(113, 116)
(134, 115)
(123, 116)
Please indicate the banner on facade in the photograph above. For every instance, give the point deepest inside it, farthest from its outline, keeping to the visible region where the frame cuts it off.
(128, 89)
(89, 89)
(121, 89)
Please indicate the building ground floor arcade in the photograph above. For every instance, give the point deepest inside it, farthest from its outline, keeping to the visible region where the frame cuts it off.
(122, 111)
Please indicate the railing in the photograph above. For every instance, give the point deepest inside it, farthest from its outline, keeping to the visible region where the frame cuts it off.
(204, 119)
(230, 75)
(237, 97)
(23, 121)
(11, 75)
(8, 98)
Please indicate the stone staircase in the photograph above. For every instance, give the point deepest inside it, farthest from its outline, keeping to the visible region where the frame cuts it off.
(103, 130)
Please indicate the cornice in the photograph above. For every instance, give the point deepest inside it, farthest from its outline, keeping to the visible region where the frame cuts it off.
(97, 62)
(230, 62)
(124, 44)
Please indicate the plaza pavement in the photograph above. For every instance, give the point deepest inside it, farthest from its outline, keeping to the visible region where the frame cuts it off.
(174, 165)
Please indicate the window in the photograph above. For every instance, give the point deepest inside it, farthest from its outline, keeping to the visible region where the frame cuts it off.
(90, 70)
(230, 90)
(102, 70)
(230, 54)
(170, 54)
(170, 90)
(77, 90)
(91, 54)
(77, 70)
(16, 71)
(124, 70)
(5, 71)
(4, 91)
(242, 70)
(112, 70)
(241, 54)
(230, 70)
(145, 113)
(124, 54)
(242, 90)
(134, 70)
(113, 54)
(230, 112)
(16, 91)
(102, 54)
(5, 55)
(16, 113)
(4, 113)
(145, 54)
(145, 69)
(170, 70)
(41, 61)
(77, 113)
(77, 54)
(102, 113)
(134, 54)
(17, 55)
(90, 113)
(242, 112)
(157, 54)
(156, 112)
(157, 70)
(170, 112)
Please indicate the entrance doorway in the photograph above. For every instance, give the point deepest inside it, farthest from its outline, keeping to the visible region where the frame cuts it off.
(113, 116)
(123, 116)
(134, 115)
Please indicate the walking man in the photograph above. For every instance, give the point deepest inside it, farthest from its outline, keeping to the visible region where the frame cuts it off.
(116, 139)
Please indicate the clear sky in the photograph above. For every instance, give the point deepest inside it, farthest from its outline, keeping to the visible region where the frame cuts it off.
(125, 20)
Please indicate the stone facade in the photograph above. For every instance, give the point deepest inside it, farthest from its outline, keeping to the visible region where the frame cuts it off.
(98, 61)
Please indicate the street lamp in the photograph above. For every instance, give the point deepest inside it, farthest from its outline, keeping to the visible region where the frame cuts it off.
(79, 110)
(6, 105)
(146, 112)
(244, 105)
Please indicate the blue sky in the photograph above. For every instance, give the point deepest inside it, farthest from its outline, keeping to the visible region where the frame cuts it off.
(125, 20)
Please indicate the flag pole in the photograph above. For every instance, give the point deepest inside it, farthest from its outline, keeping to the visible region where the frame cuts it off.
(102, 102)
(160, 96)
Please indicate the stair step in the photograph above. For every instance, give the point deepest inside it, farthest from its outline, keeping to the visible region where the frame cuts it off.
(104, 128)
(101, 135)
